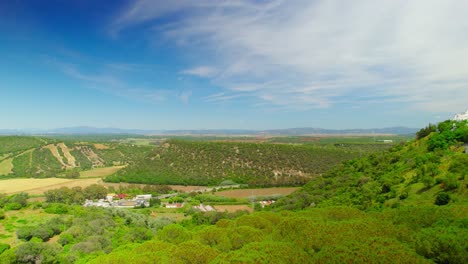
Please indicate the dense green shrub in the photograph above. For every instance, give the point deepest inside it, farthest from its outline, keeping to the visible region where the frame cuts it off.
(56, 208)
(443, 244)
(442, 198)
(15, 201)
(211, 163)
(424, 132)
(36, 252)
(4, 247)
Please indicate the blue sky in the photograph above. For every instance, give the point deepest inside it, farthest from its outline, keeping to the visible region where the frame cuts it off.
(260, 64)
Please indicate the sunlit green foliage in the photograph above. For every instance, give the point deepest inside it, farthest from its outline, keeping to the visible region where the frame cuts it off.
(14, 202)
(16, 144)
(412, 173)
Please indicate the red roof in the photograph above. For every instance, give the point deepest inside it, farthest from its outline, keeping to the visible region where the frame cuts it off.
(121, 195)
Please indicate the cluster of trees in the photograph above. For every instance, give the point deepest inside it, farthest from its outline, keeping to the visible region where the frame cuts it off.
(202, 163)
(330, 235)
(77, 195)
(44, 231)
(13, 202)
(412, 234)
(448, 132)
(83, 233)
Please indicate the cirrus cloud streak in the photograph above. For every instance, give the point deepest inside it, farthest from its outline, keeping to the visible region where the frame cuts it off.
(306, 54)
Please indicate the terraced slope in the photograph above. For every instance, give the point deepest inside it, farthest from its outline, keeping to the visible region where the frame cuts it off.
(40, 157)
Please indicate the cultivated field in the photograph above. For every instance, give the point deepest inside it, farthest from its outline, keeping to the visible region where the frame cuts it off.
(232, 208)
(39, 186)
(100, 172)
(245, 193)
(101, 146)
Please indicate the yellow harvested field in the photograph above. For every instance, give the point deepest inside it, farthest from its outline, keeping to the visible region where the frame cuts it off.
(6, 166)
(101, 172)
(100, 146)
(188, 188)
(244, 193)
(39, 186)
(232, 208)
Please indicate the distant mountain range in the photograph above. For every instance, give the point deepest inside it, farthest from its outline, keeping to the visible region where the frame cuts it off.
(83, 130)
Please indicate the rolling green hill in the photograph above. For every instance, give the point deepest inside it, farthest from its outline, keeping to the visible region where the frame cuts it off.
(210, 163)
(431, 169)
(405, 205)
(22, 156)
(191, 161)
(16, 144)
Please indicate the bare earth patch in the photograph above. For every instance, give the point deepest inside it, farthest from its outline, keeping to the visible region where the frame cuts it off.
(189, 188)
(101, 172)
(66, 153)
(245, 193)
(232, 208)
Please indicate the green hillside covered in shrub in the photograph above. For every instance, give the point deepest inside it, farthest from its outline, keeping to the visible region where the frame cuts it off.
(210, 163)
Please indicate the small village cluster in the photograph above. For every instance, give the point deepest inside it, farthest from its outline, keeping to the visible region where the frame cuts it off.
(121, 201)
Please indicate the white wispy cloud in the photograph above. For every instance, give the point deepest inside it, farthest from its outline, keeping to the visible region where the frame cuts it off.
(305, 54)
(108, 83)
(201, 71)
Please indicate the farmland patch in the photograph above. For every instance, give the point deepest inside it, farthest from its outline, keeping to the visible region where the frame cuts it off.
(6, 166)
(101, 172)
(245, 193)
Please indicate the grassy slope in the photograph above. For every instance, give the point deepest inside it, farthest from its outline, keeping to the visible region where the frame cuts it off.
(204, 163)
(408, 174)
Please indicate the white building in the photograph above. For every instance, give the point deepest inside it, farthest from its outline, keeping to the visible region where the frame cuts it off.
(461, 116)
(143, 197)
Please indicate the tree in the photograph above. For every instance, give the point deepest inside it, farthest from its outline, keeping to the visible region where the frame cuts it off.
(95, 191)
(34, 252)
(194, 252)
(424, 132)
(442, 198)
(175, 234)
